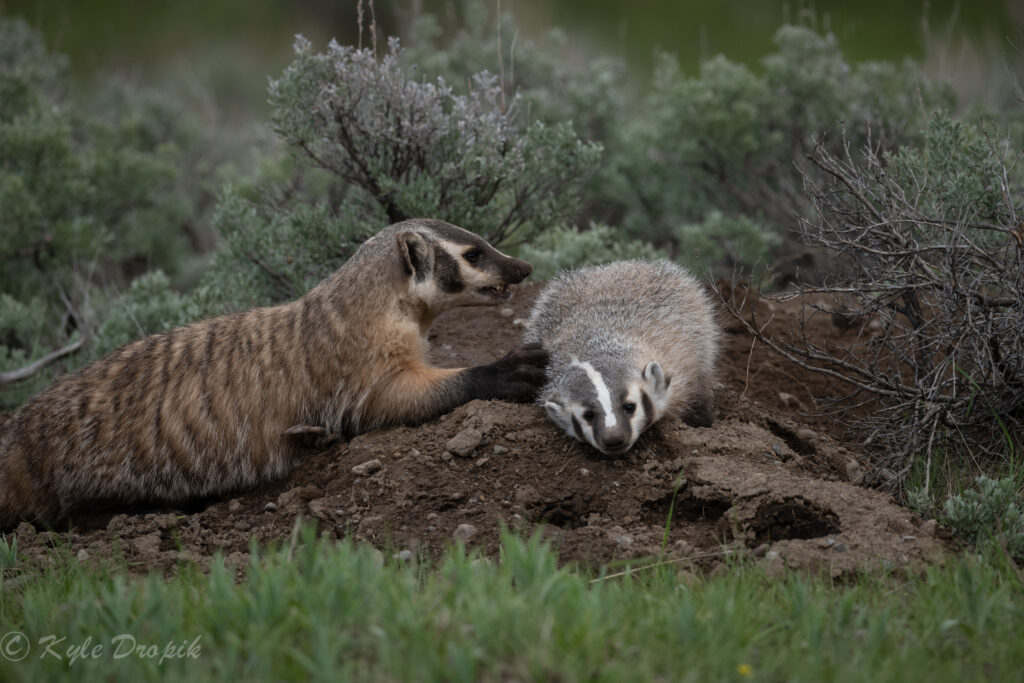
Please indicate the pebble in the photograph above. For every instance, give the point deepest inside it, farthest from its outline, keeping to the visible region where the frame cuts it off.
(929, 528)
(270, 507)
(839, 547)
(446, 456)
(908, 537)
(404, 555)
(235, 505)
(624, 540)
(498, 450)
(805, 434)
(82, 555)
(464, 532)
(368, 467)
(789, 401)
(508, 312)
(584, 471)
(464, 443)
(854, 472)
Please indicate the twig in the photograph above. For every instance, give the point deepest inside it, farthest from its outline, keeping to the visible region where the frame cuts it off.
(12, 376)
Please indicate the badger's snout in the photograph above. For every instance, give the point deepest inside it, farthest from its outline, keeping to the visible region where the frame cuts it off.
(516, 271)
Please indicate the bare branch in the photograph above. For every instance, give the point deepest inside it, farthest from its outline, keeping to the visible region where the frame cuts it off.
(12, 376)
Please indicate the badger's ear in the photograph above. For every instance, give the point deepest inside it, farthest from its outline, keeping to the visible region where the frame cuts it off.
(417, 256)
(558, 413)
(655, 381)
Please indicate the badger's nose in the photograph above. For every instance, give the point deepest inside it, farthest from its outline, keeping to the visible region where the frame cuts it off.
(614, 439)
(518, 270)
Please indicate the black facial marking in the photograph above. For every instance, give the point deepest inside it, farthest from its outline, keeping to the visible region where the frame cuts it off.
(576, 429)
(447, 273)
(648, 409)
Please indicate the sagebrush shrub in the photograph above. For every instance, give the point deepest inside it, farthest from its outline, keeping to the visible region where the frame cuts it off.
(91, 197)
(992, 507)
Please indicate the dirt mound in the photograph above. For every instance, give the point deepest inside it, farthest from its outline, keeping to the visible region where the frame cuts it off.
(758, 481)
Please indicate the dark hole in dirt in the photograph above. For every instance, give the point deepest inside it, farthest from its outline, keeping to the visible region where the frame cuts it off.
(687, 508)
(789, 436)
(792, 518)
(566, 513)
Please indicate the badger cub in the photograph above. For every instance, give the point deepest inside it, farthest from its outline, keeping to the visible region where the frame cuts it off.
(629, 342)
(229, 402)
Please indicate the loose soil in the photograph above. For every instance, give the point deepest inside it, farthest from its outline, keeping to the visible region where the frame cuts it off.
(766, 480)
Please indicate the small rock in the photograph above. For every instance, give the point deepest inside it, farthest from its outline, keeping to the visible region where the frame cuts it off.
(293, 498)
(584, 471)
(367, 468)
(464, 443)
(908, 537)
(854, 472)
(753, 485)
(805, 434)
(929, 528)
(771, 555)
(147, 544)
(464, 532)
(446, 456)
(839, 547)
(790, 402)
(270, 507)
(777, 450)
(403, 555)
(481, 462)
(527, 494)
(431, 515)
(498, 450)
(625, 540)
(510, 436)
(234, 505)
(508, 312)
(827, 543)
(82, 555)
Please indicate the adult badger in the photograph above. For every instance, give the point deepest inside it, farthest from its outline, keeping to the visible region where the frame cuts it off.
(630, 342)
(225, 403)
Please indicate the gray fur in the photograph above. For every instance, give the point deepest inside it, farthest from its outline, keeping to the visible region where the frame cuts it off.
(643, 330)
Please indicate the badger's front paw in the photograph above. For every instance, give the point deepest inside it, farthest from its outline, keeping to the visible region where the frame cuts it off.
(311, 437)
(517, 376)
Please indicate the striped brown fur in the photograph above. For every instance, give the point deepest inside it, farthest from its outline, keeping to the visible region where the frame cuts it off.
(204, 409)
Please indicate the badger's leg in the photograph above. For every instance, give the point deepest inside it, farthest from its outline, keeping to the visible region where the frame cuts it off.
(420, 392)
(699, 414)
(311, 436)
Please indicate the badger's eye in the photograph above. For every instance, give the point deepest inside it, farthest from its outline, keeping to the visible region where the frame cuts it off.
(589, 415)
(629, 408)
(473, 255)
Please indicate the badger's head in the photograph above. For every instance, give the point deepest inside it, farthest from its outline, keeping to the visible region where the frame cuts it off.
(608, 405)
(447, 266)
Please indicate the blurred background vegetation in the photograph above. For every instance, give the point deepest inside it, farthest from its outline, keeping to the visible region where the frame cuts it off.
(227, 48)
(163, 162)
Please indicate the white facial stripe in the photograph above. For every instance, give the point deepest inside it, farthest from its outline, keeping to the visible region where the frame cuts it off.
(637, 419)
(603, 396)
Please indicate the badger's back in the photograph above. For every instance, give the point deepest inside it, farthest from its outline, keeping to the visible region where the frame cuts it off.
(654, 310)
(186, 413)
